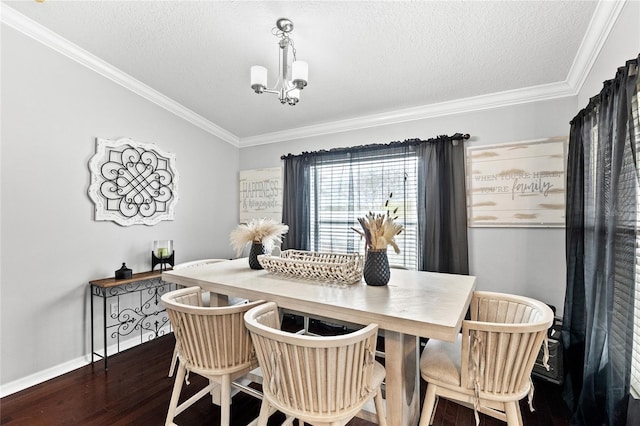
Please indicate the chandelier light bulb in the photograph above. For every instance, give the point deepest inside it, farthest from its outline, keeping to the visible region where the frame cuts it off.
(293, 96)
(300, 73)
(258, 78)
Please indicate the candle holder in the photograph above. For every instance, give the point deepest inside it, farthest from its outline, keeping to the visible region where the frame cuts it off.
(162, 254)
(123, 273)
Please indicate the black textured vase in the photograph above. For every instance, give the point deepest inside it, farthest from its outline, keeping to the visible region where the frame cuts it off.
(256, 249)
(376, 268)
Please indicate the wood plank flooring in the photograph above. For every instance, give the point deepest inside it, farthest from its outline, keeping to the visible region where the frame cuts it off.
(136, 391)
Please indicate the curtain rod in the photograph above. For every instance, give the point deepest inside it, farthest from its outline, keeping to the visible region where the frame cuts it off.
(416, 141)
(630, 67)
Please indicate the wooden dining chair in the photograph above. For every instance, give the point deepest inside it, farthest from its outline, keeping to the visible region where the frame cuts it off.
(212, 342)
(489, 367)
(232, 300)
(315, 379)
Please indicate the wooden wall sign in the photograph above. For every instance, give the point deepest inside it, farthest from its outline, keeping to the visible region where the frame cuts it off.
(517, 184)
(261, 194)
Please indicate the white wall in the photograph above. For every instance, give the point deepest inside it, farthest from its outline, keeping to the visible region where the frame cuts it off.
(52, 111)
(525, 261)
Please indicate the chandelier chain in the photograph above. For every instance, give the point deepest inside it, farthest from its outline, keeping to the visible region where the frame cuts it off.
(284, 36)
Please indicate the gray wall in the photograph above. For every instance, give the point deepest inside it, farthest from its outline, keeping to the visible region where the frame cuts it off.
(622, 44)
(524, 261)
(52, 111)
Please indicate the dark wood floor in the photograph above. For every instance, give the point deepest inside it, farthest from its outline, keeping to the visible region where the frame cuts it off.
(136, 391)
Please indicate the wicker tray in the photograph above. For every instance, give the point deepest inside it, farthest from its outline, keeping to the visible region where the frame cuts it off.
(328, 267)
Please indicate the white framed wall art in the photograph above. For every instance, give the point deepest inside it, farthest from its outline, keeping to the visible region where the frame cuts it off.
(132, 182)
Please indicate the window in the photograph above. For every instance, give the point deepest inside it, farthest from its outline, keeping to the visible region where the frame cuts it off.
(347, 188)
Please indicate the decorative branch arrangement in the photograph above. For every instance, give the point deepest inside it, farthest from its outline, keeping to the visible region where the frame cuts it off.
(379, 229)
(267, 232)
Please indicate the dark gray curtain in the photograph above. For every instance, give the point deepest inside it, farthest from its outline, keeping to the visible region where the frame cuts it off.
(442, 213)
(295, 208)
(601, 215)
(442, 207)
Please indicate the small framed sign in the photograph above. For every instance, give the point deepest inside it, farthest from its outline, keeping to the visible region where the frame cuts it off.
(261, 194)
(519, 184)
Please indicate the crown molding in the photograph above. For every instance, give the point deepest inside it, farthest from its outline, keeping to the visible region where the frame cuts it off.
(601, 24)
(27, 26)
(458, 106)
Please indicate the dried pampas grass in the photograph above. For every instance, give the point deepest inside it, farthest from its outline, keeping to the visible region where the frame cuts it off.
(268, 232)
(379, 230)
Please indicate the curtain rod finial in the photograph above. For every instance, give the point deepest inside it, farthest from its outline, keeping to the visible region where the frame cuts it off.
(461, 136)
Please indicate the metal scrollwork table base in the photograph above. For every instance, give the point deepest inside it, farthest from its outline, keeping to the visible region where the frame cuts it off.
(148, 318)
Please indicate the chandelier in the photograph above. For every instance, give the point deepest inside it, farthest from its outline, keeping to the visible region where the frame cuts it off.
(292, 76)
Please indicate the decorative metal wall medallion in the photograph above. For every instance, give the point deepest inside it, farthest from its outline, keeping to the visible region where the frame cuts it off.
(132, 182)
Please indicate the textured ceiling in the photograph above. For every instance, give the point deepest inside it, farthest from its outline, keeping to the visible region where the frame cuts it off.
(364, 57)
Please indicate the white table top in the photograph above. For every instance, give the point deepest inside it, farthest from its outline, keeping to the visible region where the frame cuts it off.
(414, 302)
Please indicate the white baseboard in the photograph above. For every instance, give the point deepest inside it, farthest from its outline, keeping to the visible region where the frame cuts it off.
(43, 376)
(66, 367)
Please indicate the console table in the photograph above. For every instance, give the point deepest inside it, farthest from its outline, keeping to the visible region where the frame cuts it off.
(148, 317)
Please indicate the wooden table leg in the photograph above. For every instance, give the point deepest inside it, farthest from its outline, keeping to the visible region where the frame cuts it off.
(403, 379)
(216, 299)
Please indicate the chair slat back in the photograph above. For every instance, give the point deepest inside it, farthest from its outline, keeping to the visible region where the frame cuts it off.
(501, 342)
(210, 338)
(311, 375)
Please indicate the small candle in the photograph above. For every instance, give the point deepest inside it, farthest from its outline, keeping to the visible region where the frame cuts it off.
(163, 252)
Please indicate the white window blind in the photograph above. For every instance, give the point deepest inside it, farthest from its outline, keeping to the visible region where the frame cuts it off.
(343, 190)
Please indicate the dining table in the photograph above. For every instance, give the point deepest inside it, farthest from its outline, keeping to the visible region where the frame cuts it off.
(413, 304)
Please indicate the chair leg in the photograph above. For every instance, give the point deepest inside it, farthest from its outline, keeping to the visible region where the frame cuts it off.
(174, 360)
(428, 405)
(175, 395)
(377, 400)
(512, 410)
(289, 420)
(225, 400)
(265, 412)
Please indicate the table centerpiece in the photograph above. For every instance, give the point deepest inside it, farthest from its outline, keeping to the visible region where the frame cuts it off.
(263, 234)
(379, 231)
